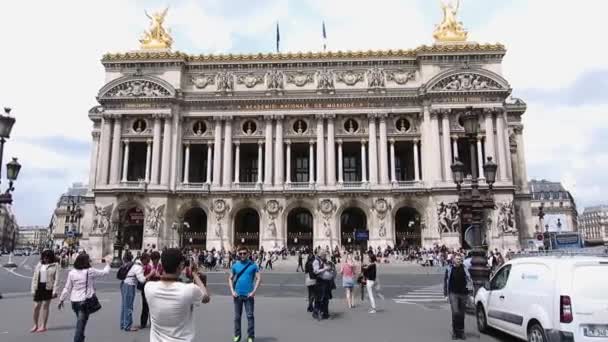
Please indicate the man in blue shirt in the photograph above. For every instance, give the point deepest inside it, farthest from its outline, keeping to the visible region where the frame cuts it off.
(244, 281)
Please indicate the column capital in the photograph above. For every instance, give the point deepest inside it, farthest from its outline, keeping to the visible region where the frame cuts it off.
(288, 142)
(339, 141)
(96, 134)
(210, 143)
(218, 118)
(372, 115)
(260, 142)
(149, 142)
(320, 116)
(126, 141)
(416, 141)
(279, 117)
(157, 116)
(268, 118)
(187, 143)
(237, 143)
(311, 141)
(454, 136)
(479, 137)
(330, 116)
(363, 141)
(391, 141)
(382, 116)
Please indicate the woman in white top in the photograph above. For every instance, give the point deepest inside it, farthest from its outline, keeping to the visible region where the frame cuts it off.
(80, 285)
(44, 287)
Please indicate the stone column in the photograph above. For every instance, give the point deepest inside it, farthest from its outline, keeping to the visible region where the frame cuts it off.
(166, 158)
(341, 163)
(156, 151)
(177, 153)
(331, 151)
(521, 162)
(454, 148)
(500, 133)
(268, 152)
(104, 162)
(217, 153)
(383, 150)
(278, 153)
(311, 156)
(237, 161)
(125, 161)
(489, 126)
(416, 164)
(260, 143)
(320, 151)
(209, 151)
(435, 160)
(393, 168)
(425, 127)
(288, 164)
(480, 158)
(116, 145)
(93, 173)
(373, 150)
(363, 162)
(227, 168)
(187, 163)
(148, 155)
(447, 154)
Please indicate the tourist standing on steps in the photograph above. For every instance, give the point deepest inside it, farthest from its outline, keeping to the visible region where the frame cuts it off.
(243, 282)
(171, 302)
(325, 274)
(456, 285)
(369, 272)
(347, 270)
(80, 285)
(45, 282)
(310, 282)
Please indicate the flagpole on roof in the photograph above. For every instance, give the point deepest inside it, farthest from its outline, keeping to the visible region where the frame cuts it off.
(278, 38)
(324, 37)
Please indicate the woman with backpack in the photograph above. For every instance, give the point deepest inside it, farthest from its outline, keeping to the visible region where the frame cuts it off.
(80, 286)
(310, 281)
(130, 273)
(45, 284)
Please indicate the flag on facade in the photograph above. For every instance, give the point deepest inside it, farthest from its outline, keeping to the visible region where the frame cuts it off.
(278, 37)
(324, 37)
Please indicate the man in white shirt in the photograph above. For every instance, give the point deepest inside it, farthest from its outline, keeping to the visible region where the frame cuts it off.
(172, 303)
(127, 291)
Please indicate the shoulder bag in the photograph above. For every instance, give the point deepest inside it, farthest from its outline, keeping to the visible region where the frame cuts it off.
(236, 279)
(92, 304)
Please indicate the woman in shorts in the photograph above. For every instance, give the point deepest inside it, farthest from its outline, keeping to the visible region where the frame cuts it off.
(348, 279)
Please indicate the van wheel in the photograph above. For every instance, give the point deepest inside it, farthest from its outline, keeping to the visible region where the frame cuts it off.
(482, 323)
(536, 333)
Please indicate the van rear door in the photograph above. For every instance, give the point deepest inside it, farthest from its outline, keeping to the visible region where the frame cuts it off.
(590, 300)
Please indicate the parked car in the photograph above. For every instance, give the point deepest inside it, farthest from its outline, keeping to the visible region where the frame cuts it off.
(18, 252)
(546, 299)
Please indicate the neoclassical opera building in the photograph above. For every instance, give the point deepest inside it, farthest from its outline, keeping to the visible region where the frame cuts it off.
(300, 149)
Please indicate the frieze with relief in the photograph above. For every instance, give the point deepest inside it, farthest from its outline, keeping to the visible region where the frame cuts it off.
(349, 77)
(274, 80)
(400, 77)
(466, 82)
(224, 82)
(250, 80)
(325, 80)
(300, 78)
(137, 88)
(201, 81)
(375, 78)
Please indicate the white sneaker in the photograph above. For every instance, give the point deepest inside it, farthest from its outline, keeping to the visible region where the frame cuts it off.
(372, 311)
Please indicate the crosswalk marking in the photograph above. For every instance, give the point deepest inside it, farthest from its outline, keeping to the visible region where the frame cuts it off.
(426, 295)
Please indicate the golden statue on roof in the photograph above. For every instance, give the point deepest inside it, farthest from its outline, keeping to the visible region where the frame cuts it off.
(450, 29)
(156, 38)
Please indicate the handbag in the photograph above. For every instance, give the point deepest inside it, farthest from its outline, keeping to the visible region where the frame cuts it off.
(92, 304)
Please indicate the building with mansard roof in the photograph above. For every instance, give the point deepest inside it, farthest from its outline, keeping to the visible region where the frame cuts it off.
(301, 149)
(593, 224)
(558, 205)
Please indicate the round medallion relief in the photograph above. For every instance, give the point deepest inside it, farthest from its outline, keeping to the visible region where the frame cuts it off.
(139, 125)
(219, 206)
(326, 206)
(249, 127)
(402, 125)
(351, 126)
(199, 127)
(300, 126)
(272, 206)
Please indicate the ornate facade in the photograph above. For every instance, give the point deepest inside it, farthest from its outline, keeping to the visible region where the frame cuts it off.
(301, 148)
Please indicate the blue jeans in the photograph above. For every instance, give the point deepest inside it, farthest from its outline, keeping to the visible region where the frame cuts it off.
(81, 321)
(238, 311)
(127, 293)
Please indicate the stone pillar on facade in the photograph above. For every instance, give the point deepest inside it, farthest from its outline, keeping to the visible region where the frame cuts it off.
(93, 172)
(268, 151)
(416, 163)
(186, 178)
(125, 161)
(341, 163)
(480, 158)
(166, 158)
(373, 150)
(156, 150)
(393, 166)
(383, 146)
(148, 157)
(311, 163)
(363, 162)
(435, 157)
(279, 163)
(260, 159)
(521, 161)
(104, 158)
(288, 163)
(331, 151)
(217, 153)
(176, 153)
(489, 128)
(447, 155)
(501, 144)
(116, 145)
(227, 167)
(425, 128)
(209, 160)
(237, 161)
(320, 151)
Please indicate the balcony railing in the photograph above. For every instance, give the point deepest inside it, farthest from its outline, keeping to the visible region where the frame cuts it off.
(195, 186)
(299, 186)
(354, 185)
(131, 184)
(247, 186)
(406, 184)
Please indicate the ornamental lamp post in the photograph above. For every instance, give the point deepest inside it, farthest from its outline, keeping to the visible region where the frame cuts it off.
(472, 202)
(117, 252)
(12, 169)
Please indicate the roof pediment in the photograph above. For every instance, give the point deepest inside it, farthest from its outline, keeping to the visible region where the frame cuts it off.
(467, 79)
(138, 87)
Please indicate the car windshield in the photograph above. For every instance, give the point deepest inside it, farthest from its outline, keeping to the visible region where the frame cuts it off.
(590, 282)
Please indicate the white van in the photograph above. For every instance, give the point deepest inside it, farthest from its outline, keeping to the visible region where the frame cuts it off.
(547, 298)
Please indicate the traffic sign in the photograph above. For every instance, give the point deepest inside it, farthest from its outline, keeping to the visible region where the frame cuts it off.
(540, 237)
(71, 234)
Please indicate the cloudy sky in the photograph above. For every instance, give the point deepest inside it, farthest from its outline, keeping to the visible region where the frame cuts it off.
(557, 61)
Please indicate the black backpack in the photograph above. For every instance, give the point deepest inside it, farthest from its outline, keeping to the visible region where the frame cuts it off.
(123, 271)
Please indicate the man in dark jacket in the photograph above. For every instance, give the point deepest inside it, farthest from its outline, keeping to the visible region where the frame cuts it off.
(456, 285)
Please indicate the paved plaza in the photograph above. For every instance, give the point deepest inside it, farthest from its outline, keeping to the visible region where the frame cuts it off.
(413, 309)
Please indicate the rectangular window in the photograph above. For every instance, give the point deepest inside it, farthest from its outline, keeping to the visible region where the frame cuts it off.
(301, 171)
(350, 169)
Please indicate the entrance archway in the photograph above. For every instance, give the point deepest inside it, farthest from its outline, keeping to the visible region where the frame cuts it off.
(195, 236)
(133, 228)
(353, 229)
(247, 228)
(299, 229)
(407, 228)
